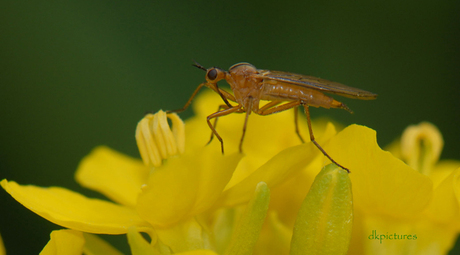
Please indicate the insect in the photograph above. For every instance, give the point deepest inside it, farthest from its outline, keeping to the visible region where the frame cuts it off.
(283, 90)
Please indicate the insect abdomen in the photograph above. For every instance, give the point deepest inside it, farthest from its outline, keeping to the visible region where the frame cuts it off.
(291, 92)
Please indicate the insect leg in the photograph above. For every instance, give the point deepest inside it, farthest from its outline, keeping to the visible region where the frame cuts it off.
(222, 106)
(269, 105)
(272, 107)
(227, 95)
(312, 138)
(248, 111)
(220, 114)
(277, 108)
(221, 94)
(189, 100)
(296, 118)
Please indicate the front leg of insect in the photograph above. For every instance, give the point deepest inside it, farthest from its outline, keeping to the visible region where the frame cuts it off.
(222, 106)
(220, 114)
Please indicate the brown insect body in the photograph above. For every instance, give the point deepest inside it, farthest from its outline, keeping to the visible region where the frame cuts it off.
(248, 83)
(283, 90)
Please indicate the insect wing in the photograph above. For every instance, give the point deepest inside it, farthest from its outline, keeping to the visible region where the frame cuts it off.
(316, 83)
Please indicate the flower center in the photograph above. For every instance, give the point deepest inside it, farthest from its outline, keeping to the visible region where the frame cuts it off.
(155, 139)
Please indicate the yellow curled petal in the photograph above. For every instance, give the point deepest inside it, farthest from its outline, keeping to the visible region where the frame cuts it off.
(138, 245)
(113, 174)
(94, 245)
(248, 228)
(73, 210)
(382, 183)
(325, 219)
(64, 242)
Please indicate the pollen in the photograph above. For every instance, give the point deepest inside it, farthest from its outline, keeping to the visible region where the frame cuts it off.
(156, 139)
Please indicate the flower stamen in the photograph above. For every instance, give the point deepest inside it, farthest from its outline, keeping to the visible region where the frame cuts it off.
(155, 139)
(421, 146)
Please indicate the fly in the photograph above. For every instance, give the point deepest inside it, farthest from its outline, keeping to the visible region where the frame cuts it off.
(283, 90)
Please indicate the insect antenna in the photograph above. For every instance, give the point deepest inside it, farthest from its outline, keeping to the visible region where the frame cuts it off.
(199, 66)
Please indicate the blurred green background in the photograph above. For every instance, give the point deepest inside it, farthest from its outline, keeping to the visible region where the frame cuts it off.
(78, 74)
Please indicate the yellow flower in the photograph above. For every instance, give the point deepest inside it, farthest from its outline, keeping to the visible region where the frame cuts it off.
(191, 199)
(179, 193)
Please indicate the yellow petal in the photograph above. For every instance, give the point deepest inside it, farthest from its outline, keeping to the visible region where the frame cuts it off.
(445, 205)
(222, 228)
(382, 184)
(64, 242)
(249, 226)
(138, 245)
(287, 197)
(94, 245)
(181, 237)
(443, 169)
(74, 211)
(185, 186)
(278, 169)
(325, 219)
(113, 174)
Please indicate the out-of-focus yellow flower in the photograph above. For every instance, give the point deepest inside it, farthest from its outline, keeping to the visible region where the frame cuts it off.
(191, 199)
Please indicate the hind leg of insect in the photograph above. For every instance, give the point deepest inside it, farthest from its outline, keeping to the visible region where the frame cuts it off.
(312, 138)
(273, 107)
(237, 108)
(295, 104)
